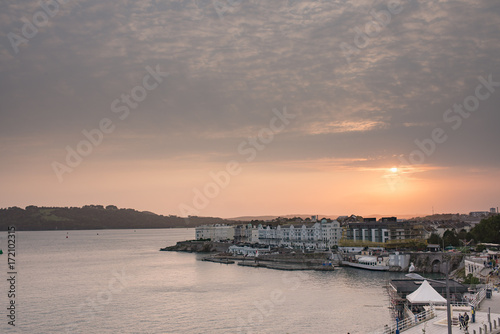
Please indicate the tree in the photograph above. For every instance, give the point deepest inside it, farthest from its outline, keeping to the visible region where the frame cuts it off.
(471, 280)
(488, 230)
(450, 238)
(462, 235)
(434, 239)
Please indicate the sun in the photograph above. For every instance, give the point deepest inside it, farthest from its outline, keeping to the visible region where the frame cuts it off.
(394, 169)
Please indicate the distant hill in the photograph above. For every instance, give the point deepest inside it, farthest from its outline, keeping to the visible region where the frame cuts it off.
(304, 216)
(270, 217)
(438, 216)
(91, 217)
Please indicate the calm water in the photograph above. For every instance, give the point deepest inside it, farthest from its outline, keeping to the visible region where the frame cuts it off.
(116, 281)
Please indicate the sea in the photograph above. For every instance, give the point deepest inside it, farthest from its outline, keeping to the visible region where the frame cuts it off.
(117, 281)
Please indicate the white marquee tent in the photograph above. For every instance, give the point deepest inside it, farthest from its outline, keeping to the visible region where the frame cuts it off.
(425, 294)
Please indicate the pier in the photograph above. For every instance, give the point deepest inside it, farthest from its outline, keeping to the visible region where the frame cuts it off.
(287, 266)
(278, 262)
(218, 260)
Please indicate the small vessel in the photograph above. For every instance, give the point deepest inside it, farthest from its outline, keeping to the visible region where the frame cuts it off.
(378, 263)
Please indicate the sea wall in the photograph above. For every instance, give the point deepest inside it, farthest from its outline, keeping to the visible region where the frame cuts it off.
(316, 258)
(435, 262)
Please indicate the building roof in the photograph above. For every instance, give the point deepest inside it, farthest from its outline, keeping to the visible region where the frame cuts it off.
(425, 294)
(406, 286)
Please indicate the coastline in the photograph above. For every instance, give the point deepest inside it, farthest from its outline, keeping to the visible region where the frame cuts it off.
(320, 261)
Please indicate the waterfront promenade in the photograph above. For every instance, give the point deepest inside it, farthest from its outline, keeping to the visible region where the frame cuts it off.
(438, 324)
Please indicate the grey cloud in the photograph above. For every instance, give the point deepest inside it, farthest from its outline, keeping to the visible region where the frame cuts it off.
(227, 74)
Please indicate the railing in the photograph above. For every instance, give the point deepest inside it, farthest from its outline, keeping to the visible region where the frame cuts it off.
(429, 314)
(478, 298)
(410, 321)
(408, 313)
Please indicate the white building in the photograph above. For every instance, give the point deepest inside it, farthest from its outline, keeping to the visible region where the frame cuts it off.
(482, 265)
(476, 265)
(246, 233)
(215, 232)
(316, 235)
(255, 235)
(247, 251)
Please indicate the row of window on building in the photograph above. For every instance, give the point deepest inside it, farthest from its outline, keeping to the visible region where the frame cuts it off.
(322, 234)
(325, 232)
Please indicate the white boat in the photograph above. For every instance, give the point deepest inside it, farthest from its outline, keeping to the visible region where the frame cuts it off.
(369, 262)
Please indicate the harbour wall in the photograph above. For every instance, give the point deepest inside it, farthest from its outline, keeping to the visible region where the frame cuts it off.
(436, 262)
(423, 262)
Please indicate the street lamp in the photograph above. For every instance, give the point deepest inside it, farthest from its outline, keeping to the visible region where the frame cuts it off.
(448, 311)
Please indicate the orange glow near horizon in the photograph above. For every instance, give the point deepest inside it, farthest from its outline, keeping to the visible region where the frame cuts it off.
(260, 189)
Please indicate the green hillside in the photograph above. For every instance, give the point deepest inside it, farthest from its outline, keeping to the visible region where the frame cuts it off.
(90, 217)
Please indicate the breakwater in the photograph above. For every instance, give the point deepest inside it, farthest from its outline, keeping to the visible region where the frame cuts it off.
(424, 262)
(308, 261)
(306, 265)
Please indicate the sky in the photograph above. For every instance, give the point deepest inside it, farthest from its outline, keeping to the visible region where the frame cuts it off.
(250, 107)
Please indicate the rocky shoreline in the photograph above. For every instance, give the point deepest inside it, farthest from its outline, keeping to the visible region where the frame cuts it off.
(197, 246)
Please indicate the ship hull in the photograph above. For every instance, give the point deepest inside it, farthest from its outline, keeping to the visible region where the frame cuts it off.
(365, 266)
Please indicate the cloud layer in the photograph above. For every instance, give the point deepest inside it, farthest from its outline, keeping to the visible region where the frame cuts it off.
(365, 79)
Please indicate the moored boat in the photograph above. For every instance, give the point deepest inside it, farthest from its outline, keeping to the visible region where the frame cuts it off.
(369, 262)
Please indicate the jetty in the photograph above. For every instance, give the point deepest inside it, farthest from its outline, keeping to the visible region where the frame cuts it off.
(274, 261)
(224, 260)
(287, 266)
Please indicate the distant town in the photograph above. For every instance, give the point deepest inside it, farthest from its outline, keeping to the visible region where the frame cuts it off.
(463, 247)
(432, 232)
(386, 244)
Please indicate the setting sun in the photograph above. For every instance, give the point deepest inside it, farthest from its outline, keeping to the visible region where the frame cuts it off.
(394, 169)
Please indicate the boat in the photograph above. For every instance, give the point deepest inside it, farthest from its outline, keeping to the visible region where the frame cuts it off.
(378, 263)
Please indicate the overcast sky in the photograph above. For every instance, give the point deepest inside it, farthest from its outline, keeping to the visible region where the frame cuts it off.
(340, 93)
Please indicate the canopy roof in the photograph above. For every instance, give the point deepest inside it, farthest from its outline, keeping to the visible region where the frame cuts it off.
(425, 294)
